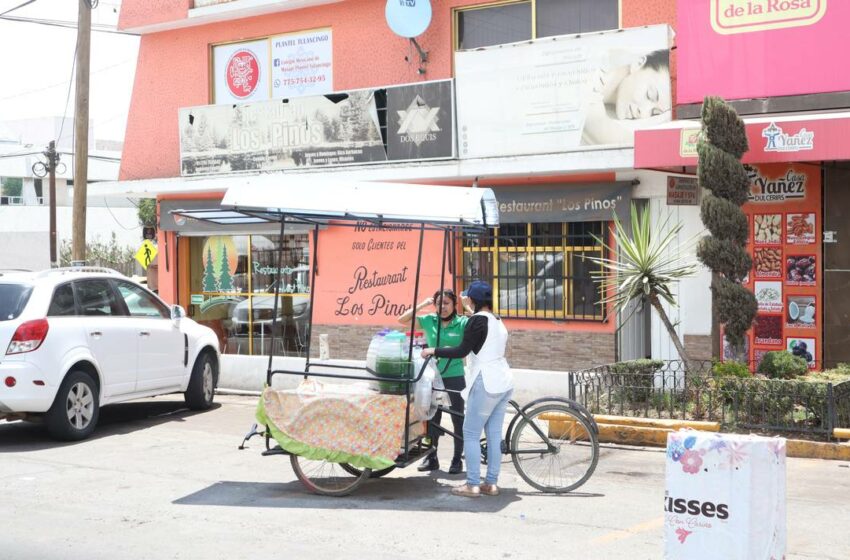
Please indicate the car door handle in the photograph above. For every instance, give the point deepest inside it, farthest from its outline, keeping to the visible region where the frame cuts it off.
(96, 334)
(145, 333)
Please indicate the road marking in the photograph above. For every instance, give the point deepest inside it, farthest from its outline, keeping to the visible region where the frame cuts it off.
(621, 534)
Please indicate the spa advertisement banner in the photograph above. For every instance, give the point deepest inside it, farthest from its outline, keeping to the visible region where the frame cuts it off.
(784, 213)
(562, 94)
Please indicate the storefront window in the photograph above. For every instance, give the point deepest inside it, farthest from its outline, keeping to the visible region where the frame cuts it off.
(539, 270)
(232, 284)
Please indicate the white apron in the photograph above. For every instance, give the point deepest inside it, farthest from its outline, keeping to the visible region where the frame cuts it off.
(490, 362)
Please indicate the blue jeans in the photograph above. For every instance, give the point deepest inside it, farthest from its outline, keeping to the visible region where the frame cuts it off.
(484, 411)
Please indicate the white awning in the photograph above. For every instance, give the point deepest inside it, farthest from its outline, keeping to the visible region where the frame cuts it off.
(317, 200)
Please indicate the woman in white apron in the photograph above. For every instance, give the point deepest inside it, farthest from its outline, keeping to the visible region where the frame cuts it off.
(488, 389)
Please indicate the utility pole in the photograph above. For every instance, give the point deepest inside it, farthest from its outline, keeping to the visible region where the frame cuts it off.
(40, 169)
(81, 130)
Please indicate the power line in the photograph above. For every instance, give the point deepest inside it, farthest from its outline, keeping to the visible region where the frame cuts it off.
(99, 27)
(10, 10)
(68, 97)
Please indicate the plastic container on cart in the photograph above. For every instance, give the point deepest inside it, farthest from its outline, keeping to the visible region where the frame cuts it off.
(372, 352)
(392, 361)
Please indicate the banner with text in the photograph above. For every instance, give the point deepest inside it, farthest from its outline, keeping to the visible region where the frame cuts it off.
(420, 121)
(367, 274)
(590, 202)
(784, 210)
(307, 131)
(302, 64)
(559, 94)
(746, 49)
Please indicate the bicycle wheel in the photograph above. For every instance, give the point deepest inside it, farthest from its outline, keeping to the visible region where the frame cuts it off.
(375, 474)
(326, 478)
(554, 449)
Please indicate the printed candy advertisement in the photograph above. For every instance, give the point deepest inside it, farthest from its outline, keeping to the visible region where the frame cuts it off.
(785, 242)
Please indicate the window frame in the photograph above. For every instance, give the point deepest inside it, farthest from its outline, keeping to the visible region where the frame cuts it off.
(457, 10)
(122, 307)
(73, 295)
(495, 250)
(164, 310)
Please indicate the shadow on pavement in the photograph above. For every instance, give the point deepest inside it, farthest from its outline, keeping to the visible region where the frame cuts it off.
(405, 494)
(124, 418)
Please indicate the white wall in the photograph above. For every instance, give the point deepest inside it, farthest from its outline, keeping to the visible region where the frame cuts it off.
(24, 237)
(693, 314)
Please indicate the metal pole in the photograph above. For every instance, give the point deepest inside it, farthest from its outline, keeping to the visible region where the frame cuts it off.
(81, 129)
(313, 270)
(276, 298)
(51, 168)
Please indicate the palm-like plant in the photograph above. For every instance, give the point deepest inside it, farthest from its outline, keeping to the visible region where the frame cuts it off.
(645, 268)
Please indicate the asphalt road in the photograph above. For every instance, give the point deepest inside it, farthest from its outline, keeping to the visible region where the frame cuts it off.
(159, 482)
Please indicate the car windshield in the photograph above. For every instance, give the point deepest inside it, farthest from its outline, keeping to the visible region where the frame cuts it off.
(13, 298)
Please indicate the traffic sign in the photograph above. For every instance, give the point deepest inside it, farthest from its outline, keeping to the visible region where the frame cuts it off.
(146, 253)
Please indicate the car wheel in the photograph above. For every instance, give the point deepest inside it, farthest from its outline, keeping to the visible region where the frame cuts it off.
(199, 394)
(76, 408)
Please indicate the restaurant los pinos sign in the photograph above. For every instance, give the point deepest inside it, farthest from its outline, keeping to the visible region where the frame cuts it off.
(729, 17)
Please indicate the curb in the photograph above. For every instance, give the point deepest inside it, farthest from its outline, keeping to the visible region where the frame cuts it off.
(649, 432)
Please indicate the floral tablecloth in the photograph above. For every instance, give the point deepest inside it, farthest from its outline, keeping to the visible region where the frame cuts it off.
(339, 423)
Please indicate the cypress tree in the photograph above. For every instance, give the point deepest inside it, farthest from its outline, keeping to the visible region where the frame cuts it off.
(723, 142)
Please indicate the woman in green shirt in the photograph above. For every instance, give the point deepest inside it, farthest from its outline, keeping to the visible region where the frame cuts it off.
(452, 372)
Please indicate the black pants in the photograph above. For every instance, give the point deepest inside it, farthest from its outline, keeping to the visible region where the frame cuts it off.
(455, 384)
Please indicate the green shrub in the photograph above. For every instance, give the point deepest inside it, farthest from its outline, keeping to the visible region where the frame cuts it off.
(634, 380)
(731, 368)
(782, 365)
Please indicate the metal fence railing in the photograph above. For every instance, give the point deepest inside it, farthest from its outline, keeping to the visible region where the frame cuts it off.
(668, 389)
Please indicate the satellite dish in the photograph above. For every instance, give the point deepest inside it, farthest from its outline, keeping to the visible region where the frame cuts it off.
(408, 18)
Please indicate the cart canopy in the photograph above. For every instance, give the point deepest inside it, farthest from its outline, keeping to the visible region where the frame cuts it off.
(318, 201)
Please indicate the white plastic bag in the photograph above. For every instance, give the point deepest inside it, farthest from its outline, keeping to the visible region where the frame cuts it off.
(724, 497)
(423, 406)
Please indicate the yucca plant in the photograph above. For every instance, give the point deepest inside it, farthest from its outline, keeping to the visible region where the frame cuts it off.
(645, 268)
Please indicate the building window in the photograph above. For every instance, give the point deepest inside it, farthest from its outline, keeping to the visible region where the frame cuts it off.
(509, 22)
(540, 270)
(232, 285)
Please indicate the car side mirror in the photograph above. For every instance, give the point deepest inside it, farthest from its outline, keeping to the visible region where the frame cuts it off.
(177, 312)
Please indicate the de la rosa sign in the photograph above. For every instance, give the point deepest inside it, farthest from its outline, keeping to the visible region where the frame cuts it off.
(743, 49)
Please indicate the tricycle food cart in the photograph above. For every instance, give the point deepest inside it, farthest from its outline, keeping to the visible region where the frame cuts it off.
(552, 441)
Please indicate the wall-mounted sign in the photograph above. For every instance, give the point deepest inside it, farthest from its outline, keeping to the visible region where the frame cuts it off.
(241, 72)
(589, 202)
(302, 64)
(729, 17)
(420, 121)
(557, 94)
(779, 141)
(688, 142)
(785, 209)
(750, 49)
(320, 130)
(683, 191)
(311, 131)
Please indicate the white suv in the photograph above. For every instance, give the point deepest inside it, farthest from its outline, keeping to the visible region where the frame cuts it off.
(75, 339)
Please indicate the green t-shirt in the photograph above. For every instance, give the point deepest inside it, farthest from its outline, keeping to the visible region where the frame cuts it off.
(450, 335)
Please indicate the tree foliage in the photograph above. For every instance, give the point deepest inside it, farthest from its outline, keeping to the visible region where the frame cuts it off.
(724, 141)
(147, 212)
